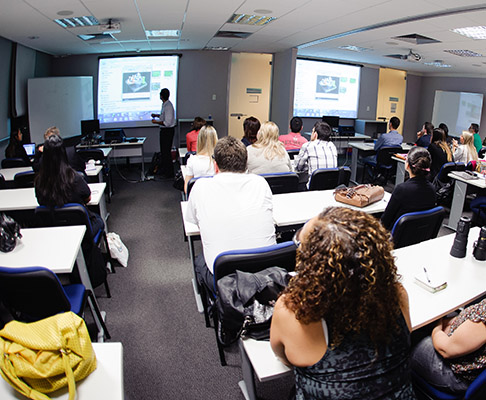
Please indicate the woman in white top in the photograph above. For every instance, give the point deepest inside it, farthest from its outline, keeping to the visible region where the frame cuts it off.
(465, 151)
(201, 164)
(268, 155)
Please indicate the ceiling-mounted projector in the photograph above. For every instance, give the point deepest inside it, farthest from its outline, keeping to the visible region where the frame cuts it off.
(110, 28)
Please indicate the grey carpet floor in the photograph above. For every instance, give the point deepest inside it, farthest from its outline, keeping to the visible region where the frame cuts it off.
(168, 351)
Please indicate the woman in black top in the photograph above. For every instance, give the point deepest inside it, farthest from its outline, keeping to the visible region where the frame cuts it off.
(439, 152)
(15, 149)
(57, 183)
(416, 194)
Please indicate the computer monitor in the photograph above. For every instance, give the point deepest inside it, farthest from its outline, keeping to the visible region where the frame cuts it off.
(90, 127)
(333, 121)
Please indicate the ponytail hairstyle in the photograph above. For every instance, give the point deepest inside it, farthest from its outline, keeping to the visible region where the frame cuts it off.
(419, 161)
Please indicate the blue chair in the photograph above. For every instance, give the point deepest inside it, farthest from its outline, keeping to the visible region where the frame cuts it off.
(424, 390)
(14, 163)
(416, 227)
(282, 182)
(34, 293)
(24, 179)
(447, 168)
(76, 214)
(383, 165)
(292, 153)
(329, 178)
(248, 260)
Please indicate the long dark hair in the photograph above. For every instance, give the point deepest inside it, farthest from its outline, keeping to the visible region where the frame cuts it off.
(12, 150)
(54, 182)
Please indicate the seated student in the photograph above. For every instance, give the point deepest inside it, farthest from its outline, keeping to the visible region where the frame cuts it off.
(74, 160)
(415, 194)
(448, 139)
(57, 183)
(267, 155)
(320, 152)
(233, 209)
(201, 164)
(455, 354)
(474, 130)
(15, 148)
(191, 137)
(392, 138)
(440, 152)
(343, 322)
(251, 126)
(424, 136)
(465, 151)
(294, 140)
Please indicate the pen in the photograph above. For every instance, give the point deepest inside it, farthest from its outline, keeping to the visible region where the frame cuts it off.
(426, 275)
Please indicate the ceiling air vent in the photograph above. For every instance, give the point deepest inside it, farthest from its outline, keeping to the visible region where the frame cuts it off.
(415, 38)
(232, 34)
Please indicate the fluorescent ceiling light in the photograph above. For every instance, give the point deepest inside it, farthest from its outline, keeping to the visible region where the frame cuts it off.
(248, 19)
(77, 21)
(438, 64)
(354, 48)
(163, 33)
(464, 53)
(473, 32)
(217, 48)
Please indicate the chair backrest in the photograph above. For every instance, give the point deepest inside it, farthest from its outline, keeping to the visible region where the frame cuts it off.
(32, 293)
(329, 178)
(447, 168)
(385, 154)
(292, 153)
(3, 184)
(482, 152)
(91, 154)
(24, 179)
(254, 260)
(283, 182)
(416, 227)
(191, 183)
(14, 163)
(187, 155)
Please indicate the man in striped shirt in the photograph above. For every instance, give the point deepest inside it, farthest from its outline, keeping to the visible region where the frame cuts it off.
(320, 152)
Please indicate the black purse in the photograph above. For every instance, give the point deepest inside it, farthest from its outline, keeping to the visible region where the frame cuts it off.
(9, 233)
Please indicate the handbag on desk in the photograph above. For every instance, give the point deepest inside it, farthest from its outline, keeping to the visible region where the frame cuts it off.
(44, 356)
(359, 196)
(9, 233)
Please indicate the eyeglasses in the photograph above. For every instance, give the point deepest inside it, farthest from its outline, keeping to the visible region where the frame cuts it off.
(296, 238)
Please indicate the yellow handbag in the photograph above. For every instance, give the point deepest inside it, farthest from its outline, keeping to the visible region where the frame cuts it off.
(46, 355)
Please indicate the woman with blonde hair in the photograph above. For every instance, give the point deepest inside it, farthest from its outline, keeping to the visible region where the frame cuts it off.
(343, 321)
(465, 151)
(201, 164)
(268, 155)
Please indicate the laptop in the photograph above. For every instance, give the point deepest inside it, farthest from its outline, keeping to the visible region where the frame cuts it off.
(30, 149)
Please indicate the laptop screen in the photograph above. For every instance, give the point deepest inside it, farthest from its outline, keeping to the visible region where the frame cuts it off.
(30, 149)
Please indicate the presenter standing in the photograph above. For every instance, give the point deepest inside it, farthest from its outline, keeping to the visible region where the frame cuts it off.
(167, 122)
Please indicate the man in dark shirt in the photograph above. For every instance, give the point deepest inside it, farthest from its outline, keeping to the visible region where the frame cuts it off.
(425, 135)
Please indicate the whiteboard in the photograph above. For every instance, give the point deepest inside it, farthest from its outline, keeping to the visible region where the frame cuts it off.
(59, 101)
(457, 110)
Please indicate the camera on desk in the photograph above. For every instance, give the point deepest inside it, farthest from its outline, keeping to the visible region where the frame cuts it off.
(479, 251)
(459, 246)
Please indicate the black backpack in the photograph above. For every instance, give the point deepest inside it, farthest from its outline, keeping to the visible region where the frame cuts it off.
(155, 164)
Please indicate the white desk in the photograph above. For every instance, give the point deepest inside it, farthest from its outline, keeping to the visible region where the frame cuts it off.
(9, 173)
(104, 383)
(460, 191)
(24, 199)
(124, 149)
(465, 278)
(364, 149)
(56, 248)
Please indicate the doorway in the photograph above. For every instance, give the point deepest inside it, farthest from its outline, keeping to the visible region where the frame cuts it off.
(249, 93)
(391, 95)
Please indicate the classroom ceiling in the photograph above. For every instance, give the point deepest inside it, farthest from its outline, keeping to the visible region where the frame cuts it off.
(318, 28)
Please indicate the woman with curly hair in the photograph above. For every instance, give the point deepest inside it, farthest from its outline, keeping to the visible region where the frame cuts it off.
(343, 322)
(268, 155)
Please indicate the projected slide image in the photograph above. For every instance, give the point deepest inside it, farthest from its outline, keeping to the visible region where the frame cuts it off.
(327, 84)
(136, 85)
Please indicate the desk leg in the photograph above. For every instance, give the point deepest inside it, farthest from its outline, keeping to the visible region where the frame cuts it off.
(400, 177)
(143, 165)
(83, 274)
(103, 211)
(197, 295)
(459, 196)
(247, 385)
(354, 163)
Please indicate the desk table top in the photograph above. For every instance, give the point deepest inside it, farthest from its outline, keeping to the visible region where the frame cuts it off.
(480, 182)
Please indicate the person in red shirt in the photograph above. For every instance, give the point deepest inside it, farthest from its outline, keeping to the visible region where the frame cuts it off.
(191, 137)
(294, 140)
